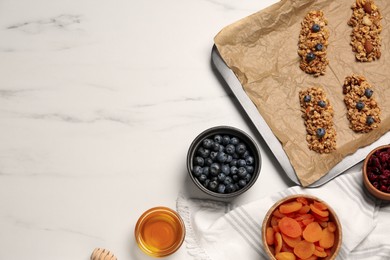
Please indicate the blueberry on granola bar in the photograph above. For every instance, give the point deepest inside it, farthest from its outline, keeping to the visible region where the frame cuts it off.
(320, 132)
(316, 28)
(310, 56)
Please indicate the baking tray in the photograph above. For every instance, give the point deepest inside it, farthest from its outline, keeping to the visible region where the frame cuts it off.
(271, 140)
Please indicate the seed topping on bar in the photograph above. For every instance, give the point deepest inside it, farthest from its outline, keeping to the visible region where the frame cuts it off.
(363, 111)
(318, 115)
(313, 42)
(365, 36)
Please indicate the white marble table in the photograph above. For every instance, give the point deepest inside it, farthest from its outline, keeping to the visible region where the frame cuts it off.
(99, 102)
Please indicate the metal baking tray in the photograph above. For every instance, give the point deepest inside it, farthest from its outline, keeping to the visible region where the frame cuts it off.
(271, 140)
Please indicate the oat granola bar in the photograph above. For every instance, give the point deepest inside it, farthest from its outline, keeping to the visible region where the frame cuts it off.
(365, 36)
(317, 113)
(363, 111)
(313, 42)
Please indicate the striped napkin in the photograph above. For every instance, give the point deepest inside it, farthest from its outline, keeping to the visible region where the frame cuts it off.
(223, 231)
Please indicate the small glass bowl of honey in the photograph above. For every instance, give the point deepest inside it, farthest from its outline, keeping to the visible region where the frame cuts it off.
(159, 232)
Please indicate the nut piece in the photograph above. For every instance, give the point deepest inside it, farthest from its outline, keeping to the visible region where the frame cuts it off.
(102, 254)
(368, 46)
(367, 7)
(318, 115)
(365, 36)
(313, 43)
(363, 111)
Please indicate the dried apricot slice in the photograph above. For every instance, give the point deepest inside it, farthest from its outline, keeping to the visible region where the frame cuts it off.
(290, 207)
(331, 226)
(290, 241)
(290, 227)
(285, 256)
(319, 212)
(327, 239)
(278, 242)
(312, 232)
(320, 205)
(305, 209)
(270, 236)
(304, 249)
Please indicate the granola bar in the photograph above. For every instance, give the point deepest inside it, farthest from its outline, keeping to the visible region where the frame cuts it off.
(365, 36)
(313, 42)
(318, 115)
(363, 111)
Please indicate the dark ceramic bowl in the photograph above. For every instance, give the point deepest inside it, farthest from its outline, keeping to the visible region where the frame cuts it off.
(231, 132)
(367, 183)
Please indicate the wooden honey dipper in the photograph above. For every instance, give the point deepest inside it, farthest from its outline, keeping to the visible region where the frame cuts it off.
(102, 254)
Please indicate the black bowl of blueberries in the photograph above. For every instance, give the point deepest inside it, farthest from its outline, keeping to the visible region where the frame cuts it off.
(223, 161)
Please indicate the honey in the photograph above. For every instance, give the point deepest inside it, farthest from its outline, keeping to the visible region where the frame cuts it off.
(159, 232)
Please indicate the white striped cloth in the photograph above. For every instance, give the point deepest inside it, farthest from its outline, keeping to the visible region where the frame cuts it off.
(222, 231)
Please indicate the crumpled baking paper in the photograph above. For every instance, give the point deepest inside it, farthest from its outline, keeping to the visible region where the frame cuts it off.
(261, 50)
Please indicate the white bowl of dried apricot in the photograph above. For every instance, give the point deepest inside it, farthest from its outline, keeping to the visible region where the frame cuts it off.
(301, 227)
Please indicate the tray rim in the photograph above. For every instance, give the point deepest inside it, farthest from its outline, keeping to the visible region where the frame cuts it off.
(272, 141)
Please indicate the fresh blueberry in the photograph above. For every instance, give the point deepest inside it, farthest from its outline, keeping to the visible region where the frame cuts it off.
(225, 169)
(218, 139)
(228, 180)
(246, 154)
(241, 163)
(242, 183)
(221, 157)
(215, 168)
(250, 169)
(206, 183)
(247, 177)
(221, 188)
(240, 149)
(359, 105)
(213, 185)
(310, 56)
(230, 188)
(202, 178)
(221, 177)
(235, 155)
(230, 149)
(215, 147)
(320, 132)
(319, 47)
(206, 171)
(199, 161)
(368, 92)
(234, 140)
(370, 120)
(208, 161)
(225, 140)
(241, 172)
(215, 178)
(229, 158)
(237, 186)
(249, 160)
(307, 98)
(233, 170)
(316, 28)
(207, 143)
(197, 171)
(322, 103)
(233, 162)
(213, 156)
(235, 178)
(203, 152)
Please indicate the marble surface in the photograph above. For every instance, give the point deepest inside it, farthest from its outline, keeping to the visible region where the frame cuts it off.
(99, 102)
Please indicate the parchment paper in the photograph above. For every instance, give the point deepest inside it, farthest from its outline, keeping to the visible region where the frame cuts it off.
(261, 49)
